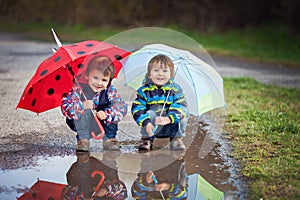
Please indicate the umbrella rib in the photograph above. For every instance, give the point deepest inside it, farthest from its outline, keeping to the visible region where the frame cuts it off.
(187, 73)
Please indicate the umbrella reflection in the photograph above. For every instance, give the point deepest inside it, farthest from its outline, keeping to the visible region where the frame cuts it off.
(90, 177)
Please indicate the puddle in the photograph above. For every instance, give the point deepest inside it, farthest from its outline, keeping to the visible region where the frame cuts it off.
(23, 165)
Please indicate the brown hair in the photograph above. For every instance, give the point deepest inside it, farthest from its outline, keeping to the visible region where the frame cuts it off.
(103, 64)
(163, 61)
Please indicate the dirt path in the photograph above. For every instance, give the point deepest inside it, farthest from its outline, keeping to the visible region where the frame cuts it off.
(275, 74)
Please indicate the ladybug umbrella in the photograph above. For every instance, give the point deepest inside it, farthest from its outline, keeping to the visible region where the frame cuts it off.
(56, 75)
(43, 190)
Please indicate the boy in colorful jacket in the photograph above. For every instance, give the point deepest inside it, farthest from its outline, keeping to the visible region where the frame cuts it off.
(160, 102)
(99, 95)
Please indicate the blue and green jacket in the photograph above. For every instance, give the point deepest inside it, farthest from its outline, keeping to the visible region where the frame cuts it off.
(153, 97)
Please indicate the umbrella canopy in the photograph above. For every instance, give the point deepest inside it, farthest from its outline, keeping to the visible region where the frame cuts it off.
(200, 189)
(55, 75)
(202, 85)
(43, 190)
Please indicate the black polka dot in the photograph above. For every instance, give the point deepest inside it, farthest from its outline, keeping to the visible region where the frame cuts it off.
(118, 57)
(95, 53)
(30, 90)
(57, 59)
(44, 72)
(50, 91)
(81, 52)
(80, 66)
(33, 102)
(89, 45)
(57, 77)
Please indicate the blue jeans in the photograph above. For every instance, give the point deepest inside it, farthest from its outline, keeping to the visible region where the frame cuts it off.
(166, 131)
(87, 124)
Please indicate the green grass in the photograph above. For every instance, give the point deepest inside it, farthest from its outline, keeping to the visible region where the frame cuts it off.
(263, 123)
(270, 43)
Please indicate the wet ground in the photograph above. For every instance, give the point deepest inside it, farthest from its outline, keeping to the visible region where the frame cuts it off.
(42, 147)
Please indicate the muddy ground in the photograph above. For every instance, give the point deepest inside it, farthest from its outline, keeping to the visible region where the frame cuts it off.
(24, 135)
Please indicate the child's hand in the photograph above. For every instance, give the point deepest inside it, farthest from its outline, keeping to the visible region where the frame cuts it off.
(88, 104)
(162, 186)
(101, 192)
(149, 129)
(162, 120)
(101, 115)
(149, 177)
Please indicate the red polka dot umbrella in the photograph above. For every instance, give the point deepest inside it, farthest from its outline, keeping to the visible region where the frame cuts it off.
(55, 75)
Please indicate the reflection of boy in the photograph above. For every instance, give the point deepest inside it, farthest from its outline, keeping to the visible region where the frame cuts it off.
(81, 182)
(158, 90)
(172, 180)
(101, 96)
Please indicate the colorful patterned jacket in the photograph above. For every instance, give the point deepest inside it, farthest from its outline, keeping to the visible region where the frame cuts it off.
(152, 97)
(107, 100)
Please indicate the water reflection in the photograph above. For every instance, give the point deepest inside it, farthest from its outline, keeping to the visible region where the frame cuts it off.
(101, 175)
(90, 177)
(161, 183)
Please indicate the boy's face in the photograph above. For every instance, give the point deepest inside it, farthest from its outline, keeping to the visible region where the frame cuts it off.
(159, 74)
(97, 81)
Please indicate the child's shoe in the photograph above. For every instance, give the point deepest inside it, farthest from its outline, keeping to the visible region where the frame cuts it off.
(83, 145)
(111, 144)
(146, 144)
(177, 144)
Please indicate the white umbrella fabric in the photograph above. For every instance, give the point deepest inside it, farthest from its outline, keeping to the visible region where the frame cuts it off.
(201, 83)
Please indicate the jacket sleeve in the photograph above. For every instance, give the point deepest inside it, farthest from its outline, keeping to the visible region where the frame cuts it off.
(140, 187)
(118, 109)
(179, 108)
(71, 105)
(139, 109)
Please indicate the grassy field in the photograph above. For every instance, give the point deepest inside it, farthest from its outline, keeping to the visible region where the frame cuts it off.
(262, 120)
(263, 123)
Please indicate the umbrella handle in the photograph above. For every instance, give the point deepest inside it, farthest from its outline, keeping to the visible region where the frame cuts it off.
(102, 132)
(155, 128)
(156, 182)
(154, 179)
(102, 177)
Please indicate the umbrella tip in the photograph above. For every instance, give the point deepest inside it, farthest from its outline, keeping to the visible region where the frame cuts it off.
(59, 44)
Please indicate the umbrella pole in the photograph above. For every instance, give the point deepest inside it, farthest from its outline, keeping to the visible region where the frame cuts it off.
(102, 177)
(156, 182)
(161, 112)
(102, 132)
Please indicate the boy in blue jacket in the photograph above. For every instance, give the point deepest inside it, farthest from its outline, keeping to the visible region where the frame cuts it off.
(158, 92)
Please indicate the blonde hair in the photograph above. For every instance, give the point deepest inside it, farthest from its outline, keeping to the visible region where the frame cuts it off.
(103, 64)
(163, 61)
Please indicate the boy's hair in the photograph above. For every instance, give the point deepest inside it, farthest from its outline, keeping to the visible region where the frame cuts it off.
(103, 64)
(163, 61)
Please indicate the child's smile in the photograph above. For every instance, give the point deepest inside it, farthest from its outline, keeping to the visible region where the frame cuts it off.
(160, 75)
(97, 81)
